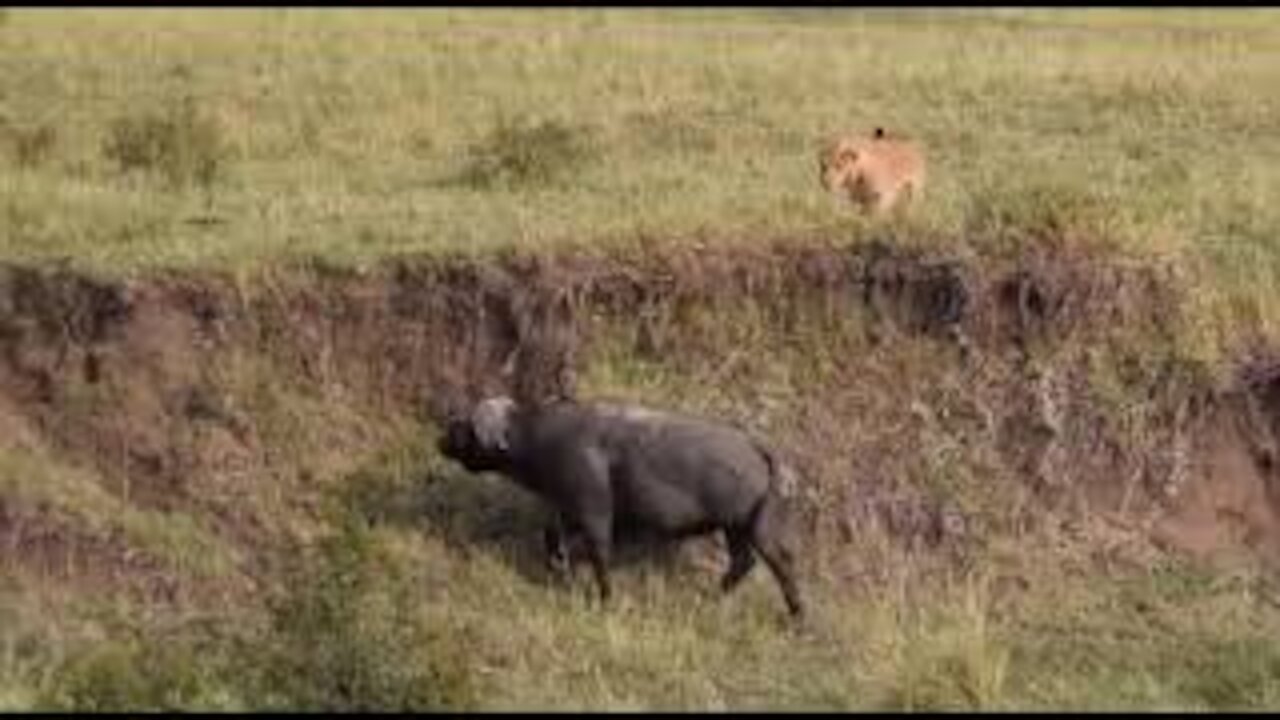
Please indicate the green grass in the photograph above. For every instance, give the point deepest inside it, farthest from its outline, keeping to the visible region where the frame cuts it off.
(389, 618)
(351, 135)
(35, 481)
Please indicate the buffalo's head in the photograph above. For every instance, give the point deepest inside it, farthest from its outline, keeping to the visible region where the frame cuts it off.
(481, 442)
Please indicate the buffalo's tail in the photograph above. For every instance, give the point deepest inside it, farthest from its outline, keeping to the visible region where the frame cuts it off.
(784, 481)
(784, 484)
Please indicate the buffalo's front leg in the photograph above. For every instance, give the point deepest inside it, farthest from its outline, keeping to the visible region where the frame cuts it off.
(588, 508)
(598, 532)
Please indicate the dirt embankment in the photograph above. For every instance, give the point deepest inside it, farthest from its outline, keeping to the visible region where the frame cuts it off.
(158, 385)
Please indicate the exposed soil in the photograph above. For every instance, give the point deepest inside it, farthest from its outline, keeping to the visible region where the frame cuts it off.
(146, 382)
(1228, 505)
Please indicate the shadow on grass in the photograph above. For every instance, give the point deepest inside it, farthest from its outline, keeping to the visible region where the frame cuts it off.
(489, 514)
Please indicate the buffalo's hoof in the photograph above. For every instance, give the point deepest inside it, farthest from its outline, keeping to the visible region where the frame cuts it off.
(559, 568)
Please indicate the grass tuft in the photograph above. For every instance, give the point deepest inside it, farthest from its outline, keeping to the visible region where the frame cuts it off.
(525, 153)
(179, 143)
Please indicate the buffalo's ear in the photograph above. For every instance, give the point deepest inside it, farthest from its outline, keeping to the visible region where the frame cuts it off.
(492, 423)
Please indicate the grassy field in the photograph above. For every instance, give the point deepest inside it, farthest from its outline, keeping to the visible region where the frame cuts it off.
(135, 140)
(197, 137)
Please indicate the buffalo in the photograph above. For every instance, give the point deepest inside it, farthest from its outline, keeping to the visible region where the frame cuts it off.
(608, 467)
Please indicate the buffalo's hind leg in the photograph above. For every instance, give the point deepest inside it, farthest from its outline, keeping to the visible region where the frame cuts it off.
(767, 536)
(741, 557)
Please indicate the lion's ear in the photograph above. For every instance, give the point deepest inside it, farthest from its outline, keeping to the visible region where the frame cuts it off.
(879, 133)
(847, 156)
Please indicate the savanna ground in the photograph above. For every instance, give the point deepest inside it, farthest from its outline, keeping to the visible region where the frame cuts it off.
(139, 142)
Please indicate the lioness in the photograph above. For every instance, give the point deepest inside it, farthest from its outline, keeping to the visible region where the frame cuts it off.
(875, 171)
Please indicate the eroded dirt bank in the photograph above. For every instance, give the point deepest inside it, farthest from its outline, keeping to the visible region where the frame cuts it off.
(969, 398)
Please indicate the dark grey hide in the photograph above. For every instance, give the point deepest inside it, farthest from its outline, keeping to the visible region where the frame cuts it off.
(609, 467)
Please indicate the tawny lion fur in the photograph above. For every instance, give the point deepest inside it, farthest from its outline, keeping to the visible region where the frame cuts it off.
(877, 172)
